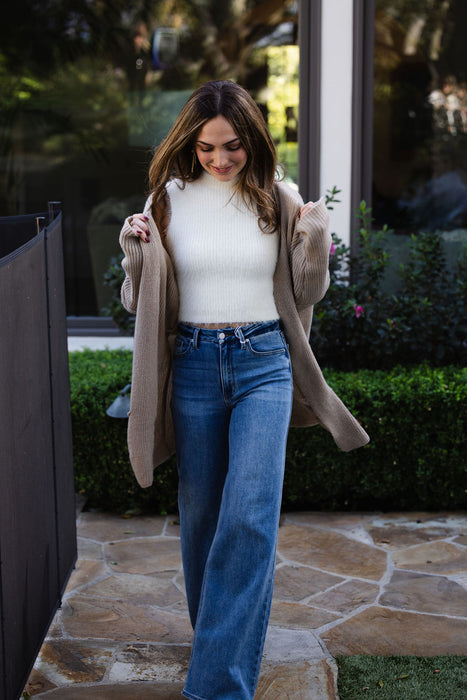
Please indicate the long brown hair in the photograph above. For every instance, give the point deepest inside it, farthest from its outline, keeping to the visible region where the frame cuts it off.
(176, 156)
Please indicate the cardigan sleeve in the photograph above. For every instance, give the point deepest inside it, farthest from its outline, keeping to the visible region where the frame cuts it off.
(132, 262)
(310, 248)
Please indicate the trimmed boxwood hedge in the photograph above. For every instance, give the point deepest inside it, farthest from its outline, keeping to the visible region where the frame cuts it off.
(416, 460)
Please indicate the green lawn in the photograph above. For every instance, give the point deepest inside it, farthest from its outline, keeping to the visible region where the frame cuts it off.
(402, 677)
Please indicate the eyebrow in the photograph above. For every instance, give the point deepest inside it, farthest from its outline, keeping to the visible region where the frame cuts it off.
(228, 143)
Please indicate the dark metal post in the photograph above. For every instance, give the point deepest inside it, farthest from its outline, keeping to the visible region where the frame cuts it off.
(39, 223)
(54, 209)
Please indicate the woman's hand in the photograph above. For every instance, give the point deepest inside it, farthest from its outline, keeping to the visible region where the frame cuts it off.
(139, 226)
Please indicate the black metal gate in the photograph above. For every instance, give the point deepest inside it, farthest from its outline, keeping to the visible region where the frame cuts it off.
(37, 506)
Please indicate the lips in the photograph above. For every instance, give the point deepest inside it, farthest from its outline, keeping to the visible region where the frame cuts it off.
(222, 171)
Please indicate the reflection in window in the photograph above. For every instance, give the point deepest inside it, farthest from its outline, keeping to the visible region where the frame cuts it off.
(87, 89)
(420, 115)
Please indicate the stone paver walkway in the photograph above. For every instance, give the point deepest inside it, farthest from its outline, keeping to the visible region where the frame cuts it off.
(346, 583)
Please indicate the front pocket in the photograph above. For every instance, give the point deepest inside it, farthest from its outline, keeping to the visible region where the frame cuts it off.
(267, 344)
(183, 346)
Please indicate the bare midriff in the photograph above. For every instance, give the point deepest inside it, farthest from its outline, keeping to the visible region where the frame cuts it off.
(236, 324)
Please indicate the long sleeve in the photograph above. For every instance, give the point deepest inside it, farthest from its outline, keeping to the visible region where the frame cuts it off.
(301, 278)
(310, 247)
(132, 263)
(150, 291)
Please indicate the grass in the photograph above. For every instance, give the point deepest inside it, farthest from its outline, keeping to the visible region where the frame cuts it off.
(402, 677)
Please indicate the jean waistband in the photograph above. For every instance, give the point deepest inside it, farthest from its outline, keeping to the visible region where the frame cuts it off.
(248, 330)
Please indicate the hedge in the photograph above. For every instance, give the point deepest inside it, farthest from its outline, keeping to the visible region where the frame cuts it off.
(416, 460)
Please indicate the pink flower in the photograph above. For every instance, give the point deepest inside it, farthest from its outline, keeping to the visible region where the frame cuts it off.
(358, 310)
(333, 249)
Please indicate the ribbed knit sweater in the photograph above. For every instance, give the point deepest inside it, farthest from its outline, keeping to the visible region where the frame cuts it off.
(150, 291)
(224, 263)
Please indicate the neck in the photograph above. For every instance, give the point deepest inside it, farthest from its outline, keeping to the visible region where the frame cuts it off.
(212, 181)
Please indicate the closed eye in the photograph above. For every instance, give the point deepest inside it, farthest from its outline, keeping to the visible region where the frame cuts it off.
(231, 146)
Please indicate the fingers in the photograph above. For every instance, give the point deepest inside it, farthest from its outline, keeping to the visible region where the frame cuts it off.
(139, 226)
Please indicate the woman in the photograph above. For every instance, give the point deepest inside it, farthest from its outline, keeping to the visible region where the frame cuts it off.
(222, 270)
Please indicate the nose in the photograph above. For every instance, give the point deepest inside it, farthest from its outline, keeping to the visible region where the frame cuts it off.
(219, 158)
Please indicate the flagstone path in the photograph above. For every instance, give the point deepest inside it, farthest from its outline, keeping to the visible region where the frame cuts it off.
(346, 583)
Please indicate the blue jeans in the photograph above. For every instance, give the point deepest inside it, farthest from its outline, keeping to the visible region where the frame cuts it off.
(232, 399)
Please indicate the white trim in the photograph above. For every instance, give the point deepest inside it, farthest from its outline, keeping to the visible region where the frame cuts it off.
(80, 343)
(336, 109)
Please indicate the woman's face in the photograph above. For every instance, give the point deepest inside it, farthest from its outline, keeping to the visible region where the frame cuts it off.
(219, 149)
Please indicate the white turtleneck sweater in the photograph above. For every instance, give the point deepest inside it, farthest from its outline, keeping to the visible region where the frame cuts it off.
(224, 263)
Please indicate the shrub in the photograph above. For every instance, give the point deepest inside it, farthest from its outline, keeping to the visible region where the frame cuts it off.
(417, 421)
(362, 324)
(102, 468)
(416, 417)
(113, 278)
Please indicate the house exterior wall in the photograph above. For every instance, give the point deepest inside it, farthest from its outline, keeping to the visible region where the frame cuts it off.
(336, 109)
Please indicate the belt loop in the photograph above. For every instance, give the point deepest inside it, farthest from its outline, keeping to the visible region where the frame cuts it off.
(195, 337)
(239, 334)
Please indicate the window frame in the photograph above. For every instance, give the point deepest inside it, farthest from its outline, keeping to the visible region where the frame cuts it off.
(362, 110)
(309, 108)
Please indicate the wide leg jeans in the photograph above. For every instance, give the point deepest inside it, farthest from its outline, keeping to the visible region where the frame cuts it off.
(232, 398)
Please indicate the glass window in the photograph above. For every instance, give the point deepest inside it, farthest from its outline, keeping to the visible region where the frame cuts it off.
(420, 116)
(88, 88)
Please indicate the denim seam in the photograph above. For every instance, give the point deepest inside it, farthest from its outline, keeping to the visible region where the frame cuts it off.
(226, 368)
(207, 335)
(187, 694)
(194, 644)
(265, 353)
(259, 653)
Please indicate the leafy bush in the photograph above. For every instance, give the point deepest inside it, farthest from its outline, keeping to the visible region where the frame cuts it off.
(417, 420)
(416, 417)
(360, 324)
(113, 278)
(102, 468)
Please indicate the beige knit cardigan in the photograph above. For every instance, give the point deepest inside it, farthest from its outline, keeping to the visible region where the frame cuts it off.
(150, 291)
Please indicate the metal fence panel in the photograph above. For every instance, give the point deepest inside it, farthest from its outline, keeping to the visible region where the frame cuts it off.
(15, 231)
(37, 514)
(61, 411)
